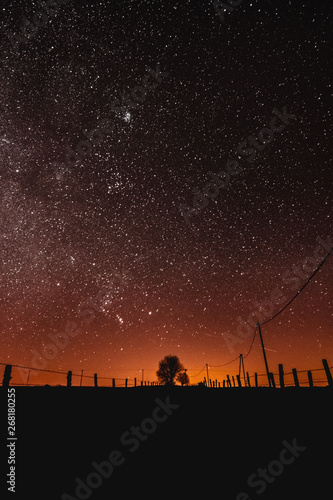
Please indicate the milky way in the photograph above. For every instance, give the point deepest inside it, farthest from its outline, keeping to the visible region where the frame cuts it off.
(176, 92)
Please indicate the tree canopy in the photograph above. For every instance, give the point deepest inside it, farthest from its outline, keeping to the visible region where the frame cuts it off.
(171, 370)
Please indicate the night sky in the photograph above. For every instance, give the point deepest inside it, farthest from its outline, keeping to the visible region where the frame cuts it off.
(115, 242)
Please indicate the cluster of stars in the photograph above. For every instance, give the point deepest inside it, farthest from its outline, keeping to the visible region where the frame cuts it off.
(68, 231)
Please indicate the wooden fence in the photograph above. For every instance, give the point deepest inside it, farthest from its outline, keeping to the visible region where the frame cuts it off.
(278, 379)
(275, 380)
(112, 382)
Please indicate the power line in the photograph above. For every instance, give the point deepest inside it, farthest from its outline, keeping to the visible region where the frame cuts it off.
(300, 290)
(254, 336)
(199, 372)
(58, 372)
(37, 369)
(224, 364)
(281, 310)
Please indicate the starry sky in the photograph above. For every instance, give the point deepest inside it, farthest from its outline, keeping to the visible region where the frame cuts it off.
(93, 236)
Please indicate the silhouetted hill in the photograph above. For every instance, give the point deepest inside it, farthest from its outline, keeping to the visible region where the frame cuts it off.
(212, 442)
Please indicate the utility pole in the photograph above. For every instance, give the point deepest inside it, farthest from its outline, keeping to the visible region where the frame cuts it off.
(207, 375)
(81, 378)
(263, 350)
(7, 375)
(241, 366)
(69, 378)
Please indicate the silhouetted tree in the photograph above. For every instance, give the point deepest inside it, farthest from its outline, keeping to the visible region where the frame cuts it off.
(183, 378)
(169, 368)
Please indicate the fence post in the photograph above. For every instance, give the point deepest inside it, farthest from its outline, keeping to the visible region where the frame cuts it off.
(256, 379)
(219, 385)
(135, 382)
(228, 381)
(281, 376)
(223, 384)
(113, 383)
(271, 376)
(239, 380)
(248, 379)
(310, 378)
(328, 373)
(125, 382)
(69, 379)
(295, 377)
(233, 380)
(95, 379)
(7, 375)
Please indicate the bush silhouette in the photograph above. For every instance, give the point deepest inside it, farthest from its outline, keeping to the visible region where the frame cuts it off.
(183, 378)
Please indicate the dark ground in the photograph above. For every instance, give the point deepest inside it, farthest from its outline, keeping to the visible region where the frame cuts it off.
(209, 445)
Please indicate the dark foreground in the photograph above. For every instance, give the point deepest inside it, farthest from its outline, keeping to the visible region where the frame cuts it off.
(187, 443)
